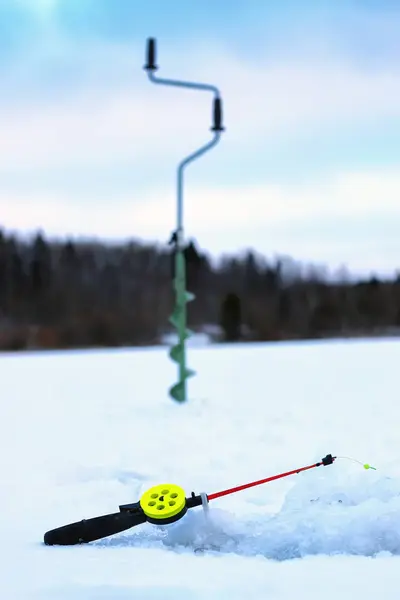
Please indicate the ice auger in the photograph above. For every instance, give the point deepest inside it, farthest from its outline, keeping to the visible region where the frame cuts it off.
(178, 390)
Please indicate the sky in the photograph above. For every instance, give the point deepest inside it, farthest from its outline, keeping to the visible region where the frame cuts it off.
(309, 163)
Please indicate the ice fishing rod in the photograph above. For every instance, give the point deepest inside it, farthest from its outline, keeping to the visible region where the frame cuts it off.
(160, 505)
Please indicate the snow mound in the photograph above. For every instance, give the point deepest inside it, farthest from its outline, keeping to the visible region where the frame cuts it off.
(361, 518)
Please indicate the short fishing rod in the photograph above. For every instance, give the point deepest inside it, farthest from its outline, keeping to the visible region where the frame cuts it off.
(160, 505)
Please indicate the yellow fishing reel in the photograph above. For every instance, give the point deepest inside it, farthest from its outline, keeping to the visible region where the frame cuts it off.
(164, 503)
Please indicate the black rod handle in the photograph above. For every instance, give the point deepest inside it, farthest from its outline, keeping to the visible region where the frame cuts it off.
(89, 530)
(151, 55)
(217, 115)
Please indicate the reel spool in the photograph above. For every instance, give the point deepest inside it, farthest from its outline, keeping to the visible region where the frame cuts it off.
(164, 503)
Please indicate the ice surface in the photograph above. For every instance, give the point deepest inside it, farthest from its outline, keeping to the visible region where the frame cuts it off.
(83, 432)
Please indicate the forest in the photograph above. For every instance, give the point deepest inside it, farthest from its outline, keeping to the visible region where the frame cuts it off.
(63, 293)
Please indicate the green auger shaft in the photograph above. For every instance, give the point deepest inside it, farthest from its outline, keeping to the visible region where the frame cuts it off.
(178, 320)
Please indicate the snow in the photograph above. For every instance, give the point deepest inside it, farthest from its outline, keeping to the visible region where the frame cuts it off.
(82, 432)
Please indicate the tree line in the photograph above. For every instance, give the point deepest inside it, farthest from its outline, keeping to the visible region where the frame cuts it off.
(61, 293)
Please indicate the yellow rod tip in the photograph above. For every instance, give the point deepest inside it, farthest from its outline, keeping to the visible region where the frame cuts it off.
(367, 466)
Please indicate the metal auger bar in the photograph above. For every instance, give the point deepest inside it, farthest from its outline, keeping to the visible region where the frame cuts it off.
(179, 316)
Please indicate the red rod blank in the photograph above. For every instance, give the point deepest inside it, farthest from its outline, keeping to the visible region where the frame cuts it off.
(259, 482)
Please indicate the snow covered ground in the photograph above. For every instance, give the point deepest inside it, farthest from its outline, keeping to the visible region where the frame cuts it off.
(84, 432)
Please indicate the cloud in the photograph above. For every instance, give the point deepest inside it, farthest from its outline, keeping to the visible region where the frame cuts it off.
(74, 106)
(346, 219)
(113, 113)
